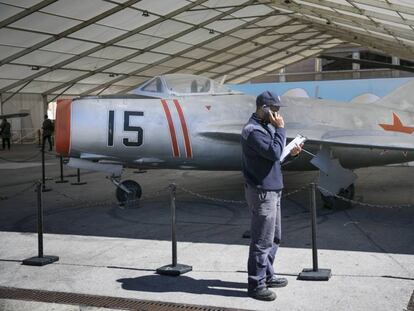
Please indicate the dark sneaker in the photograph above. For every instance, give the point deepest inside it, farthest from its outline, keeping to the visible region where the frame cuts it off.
(276, 282)
(262, 293)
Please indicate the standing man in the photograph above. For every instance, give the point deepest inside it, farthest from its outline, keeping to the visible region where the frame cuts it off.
(48, 129)
(263, 140)
(5, 132)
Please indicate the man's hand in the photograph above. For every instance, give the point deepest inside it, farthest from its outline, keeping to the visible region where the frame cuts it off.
(276, 119)
(296, 150)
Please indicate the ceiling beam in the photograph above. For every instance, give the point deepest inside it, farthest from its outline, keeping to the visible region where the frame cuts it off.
(285, 36)
(26, 12)
(155, 45)
(370, 41)
(368, 62)
(313, 37)
(357, 10)
(387, 5)
(352, 21)
(193, 47)
(278, 60)
(67, 32)
(103, 45)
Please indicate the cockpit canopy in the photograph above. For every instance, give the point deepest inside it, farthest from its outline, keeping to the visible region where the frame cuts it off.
(181, 85)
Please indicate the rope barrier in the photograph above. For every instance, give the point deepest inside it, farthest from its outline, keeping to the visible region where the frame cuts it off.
(209, 198)
(19, 192)
(104, 203)
(219, 200)
(204, 197)
(21, 161)
(362, 203)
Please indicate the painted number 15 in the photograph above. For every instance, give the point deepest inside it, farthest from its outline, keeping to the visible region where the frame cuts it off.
(127, 128)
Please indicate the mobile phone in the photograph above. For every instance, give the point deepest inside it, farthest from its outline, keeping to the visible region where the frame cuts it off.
(266, 111)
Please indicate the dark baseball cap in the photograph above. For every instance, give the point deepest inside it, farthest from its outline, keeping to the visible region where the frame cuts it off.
(269, 98)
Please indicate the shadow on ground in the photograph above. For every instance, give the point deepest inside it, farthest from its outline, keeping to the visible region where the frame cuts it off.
(184, 284)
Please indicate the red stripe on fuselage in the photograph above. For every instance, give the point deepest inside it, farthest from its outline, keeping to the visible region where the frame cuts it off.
(187, 142)
(176, 151)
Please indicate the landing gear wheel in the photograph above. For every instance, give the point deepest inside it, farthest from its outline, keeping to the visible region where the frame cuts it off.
(128, 199)
(329, 201)
(348, 193)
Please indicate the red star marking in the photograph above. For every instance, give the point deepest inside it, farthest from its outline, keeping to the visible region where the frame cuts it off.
(397, 125)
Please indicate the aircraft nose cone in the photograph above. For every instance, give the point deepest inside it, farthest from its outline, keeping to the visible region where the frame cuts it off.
(62, 126)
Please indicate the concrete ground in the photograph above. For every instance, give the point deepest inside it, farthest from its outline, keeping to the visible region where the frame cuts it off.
(112, 251)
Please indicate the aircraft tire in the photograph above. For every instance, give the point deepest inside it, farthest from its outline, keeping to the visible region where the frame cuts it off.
(131, 198)
(348, 193)
(330, 201)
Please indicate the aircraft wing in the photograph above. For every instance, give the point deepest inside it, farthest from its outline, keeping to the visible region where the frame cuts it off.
(325, 135)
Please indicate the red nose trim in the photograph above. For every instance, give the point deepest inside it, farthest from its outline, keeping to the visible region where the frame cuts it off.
(62, 126)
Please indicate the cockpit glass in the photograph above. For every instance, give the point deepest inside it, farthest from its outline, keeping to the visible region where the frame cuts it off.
(181, 84)
(190, 84)
(155, 85)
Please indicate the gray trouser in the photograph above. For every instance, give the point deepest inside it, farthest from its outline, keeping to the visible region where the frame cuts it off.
(265, 233)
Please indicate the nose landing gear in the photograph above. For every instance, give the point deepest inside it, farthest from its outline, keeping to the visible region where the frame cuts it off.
(128, 192)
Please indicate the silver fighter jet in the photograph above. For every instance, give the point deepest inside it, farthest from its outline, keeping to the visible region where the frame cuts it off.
(190, 122)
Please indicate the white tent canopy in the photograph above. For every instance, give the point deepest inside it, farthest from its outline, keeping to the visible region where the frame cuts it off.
(76, 47)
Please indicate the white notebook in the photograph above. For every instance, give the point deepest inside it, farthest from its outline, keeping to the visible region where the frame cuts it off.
(299, 139)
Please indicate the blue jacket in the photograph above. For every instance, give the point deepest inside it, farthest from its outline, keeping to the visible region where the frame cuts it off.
(262, 146)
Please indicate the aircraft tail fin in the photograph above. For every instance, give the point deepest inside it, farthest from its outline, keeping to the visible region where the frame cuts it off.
(401, 98)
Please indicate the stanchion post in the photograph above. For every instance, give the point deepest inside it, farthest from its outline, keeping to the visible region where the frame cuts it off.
(314, 274)
(173, 192)
(61, 181)
(40, 259)
(78, 183)
(175, 269)
(44, 189)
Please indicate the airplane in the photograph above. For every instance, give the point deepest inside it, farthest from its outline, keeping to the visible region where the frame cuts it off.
(188, 122)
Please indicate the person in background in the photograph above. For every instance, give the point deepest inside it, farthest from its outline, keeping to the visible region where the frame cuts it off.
(5, 132)
(48, 129)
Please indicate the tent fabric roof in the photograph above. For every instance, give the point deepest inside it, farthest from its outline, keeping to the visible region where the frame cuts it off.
(76, 47)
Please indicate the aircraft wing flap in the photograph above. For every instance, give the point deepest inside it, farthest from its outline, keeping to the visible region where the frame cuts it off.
(357, 138)
(324, 135)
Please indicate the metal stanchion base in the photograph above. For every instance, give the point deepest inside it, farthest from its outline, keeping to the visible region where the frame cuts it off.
(174, 270)
(46, 189)
(246, 234)
(318, 275)
(61, 181)
(40, 261)
(78, 183)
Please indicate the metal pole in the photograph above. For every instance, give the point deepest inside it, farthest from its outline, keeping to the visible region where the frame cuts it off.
(78, 183)
(43, 167)
(173, 225)
(44, 189)
(175, 268)
(61, 172)
(39, 220)
(313, 216)
(314, 274)
(41, 259)
(61, 168)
